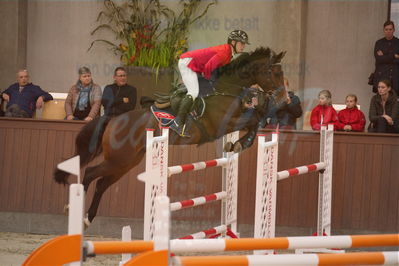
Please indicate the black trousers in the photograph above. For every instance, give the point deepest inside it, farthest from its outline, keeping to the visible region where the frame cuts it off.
(382, 126)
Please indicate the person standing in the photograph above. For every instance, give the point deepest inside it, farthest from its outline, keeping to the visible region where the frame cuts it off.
(386, 53)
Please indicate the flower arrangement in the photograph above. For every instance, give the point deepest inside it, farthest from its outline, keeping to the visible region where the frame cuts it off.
(147, 32)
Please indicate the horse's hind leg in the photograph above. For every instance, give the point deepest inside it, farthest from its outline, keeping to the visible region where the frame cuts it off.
(94, 172)
(101, 186)
(111, 173)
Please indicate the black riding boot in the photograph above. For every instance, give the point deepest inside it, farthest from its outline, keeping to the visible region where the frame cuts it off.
(180, 120)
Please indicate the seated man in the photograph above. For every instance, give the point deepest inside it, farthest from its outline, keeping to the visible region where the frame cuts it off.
(119, 97)
(23, 97)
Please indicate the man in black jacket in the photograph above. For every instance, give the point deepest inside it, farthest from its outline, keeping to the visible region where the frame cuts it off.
(119, 97)
(284, 114)
(386, 53)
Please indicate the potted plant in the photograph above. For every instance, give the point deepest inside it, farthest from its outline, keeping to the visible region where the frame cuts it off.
(149, 38)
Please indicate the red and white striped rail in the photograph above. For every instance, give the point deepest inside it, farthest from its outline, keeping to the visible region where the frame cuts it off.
(207, 233)
(356, 258)
(197, 201)
(301, 170)
(177, 169)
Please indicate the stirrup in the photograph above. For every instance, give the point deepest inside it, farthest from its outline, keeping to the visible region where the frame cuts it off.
(182, 133)
(179, 129)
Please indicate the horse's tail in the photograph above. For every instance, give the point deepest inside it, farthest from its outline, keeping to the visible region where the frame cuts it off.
(87, 144)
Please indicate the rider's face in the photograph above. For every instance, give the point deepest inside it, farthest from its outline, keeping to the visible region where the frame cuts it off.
(240, 47)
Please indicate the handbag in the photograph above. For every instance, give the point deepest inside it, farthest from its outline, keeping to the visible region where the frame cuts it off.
(371, 79)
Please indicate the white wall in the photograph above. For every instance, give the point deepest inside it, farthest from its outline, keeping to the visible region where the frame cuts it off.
(58, 39)
(339, 48)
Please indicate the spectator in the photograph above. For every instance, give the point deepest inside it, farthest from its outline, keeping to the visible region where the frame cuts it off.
(84, 98)
(351, 118)
(119, 97)
(323, 114)
(284, 115)
(23, 97)
(386, 53)
(383, 109)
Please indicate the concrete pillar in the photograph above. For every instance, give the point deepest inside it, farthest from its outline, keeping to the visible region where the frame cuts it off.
(13, 28)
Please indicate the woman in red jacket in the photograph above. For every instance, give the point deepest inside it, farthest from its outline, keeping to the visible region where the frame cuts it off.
(203, 62)
(323, 114)
(351, 118)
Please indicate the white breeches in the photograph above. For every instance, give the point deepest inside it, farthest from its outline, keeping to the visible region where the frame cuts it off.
(189, 77)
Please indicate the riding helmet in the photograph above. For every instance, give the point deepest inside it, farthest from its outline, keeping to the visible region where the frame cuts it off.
(238, 35)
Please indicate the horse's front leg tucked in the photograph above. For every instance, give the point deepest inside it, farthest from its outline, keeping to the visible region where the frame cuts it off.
(244, 142)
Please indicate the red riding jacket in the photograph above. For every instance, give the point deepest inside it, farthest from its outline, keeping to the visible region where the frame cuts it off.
(327, 114)
(353, 117)
(208, 59)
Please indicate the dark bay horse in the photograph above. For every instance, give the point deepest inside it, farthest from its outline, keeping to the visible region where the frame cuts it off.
(122, 139)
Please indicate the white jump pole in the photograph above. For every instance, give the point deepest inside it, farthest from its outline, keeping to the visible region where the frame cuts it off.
(126, 237)
(230, 184)
(266, 189)
(76, 200)
(325, 181)
(155, 176)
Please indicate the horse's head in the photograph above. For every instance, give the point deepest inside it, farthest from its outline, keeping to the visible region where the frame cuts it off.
(261, 67)
(266, 72)
(270, 75)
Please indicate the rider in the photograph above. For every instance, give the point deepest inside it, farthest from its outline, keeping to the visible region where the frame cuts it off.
(204, 61)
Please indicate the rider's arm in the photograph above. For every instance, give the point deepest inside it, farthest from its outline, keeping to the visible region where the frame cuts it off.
(211, 65)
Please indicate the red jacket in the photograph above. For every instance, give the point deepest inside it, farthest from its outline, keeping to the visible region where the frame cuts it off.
(208, 59)
(327, 114)
(353, 117)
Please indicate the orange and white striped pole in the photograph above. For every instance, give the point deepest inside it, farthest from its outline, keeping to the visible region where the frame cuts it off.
(358, 258)
(219, 245)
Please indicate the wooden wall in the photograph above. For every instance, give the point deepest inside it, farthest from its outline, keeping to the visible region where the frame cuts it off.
(365, 177)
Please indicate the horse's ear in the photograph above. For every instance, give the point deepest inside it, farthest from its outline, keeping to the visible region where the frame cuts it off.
(279, 57)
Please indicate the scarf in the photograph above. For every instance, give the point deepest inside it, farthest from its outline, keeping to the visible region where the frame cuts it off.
(84, 93)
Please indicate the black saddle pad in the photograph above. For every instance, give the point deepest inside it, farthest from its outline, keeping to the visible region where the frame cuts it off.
(206, 87)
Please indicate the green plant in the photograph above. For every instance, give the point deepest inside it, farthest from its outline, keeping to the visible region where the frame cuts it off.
(149, 33)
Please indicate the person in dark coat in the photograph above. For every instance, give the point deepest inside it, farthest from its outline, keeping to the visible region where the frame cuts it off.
(384, 109)
(386, 53)
(23, 97)
(283, 115)
(119, 97)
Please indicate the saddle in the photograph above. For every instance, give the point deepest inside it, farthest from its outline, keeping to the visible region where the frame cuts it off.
(166, 106)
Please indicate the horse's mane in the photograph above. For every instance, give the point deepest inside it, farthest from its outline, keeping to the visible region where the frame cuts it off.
(245, 58)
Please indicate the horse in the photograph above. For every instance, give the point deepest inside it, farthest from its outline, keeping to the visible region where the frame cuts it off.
(232, 106)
